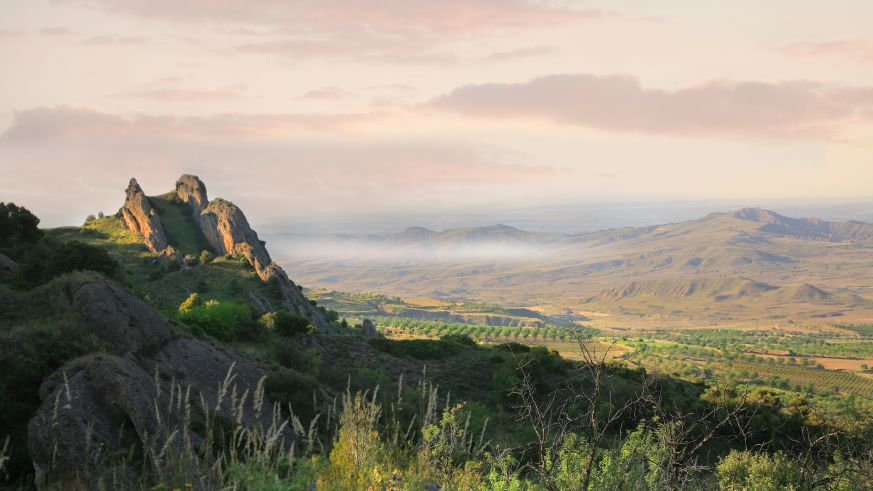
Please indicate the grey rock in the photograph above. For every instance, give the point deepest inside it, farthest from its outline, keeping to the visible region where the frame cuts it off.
(120, 318)
(228, 232)
(140, 217)
(77, 427)
(192, 191)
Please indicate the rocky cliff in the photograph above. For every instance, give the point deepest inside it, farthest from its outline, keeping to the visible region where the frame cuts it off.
(227, 231)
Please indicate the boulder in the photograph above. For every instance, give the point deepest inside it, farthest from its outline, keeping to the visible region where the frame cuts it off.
(121, 319)
(192, 191)
(86, 408)
(140, 217)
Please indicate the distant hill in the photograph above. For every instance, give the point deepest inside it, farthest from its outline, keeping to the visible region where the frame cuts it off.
(807, 228)
(721, 268)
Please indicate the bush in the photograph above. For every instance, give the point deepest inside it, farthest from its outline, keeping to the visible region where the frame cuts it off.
(285, 323)
(206, 257)
(18, 225)
(329, 315)
(287, 386)
(50, 258)
(757, 470)
(220, 320)
(422, 349)
(189, 302)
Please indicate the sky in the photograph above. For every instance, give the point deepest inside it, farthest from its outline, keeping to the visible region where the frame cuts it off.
(343, 108)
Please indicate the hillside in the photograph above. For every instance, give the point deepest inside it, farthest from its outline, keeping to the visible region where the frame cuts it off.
(136, 361)
(588, 273)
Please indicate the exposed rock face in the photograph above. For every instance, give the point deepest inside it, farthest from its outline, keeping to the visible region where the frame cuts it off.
(370, 329)
(120, 318)
(141, 217)
(192, 191)
(139, 397)
(228, 232)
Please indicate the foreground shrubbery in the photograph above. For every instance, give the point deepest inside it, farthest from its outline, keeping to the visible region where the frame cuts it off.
(366, 444)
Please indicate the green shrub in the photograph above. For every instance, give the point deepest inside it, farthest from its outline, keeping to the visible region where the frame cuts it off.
(220, 320)
(50, 258)
(287, 386)
(421, 349)
(285, 323)
(745, 470)
(206, 257)
(18, 226)
(329, 315)
(189, 303)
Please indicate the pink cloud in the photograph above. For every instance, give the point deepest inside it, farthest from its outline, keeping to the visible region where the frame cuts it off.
(113, 40)
(442, 15)
(67, 162)
(173, 93)
(621, 104)
(514, 54)
(78, 123)
(854, 49)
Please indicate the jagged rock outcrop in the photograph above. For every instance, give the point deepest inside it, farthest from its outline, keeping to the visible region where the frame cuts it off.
(98, 407)
(192, 191)
(225, 228)
(228, 232)
(140, 217)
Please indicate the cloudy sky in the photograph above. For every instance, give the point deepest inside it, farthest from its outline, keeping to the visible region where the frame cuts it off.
(343, 107)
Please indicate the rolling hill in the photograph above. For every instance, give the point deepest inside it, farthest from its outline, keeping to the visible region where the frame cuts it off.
(724, 268)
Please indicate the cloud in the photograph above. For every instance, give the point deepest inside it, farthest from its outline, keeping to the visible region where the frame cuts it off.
(174, 93)
(620, 103)
(402, 47)
(514, 54)
(437, 15)
(408, 32)
(83, 123)
(113, 40)
(55, 31)
(327, 94)
(854, 49)
(267, 163)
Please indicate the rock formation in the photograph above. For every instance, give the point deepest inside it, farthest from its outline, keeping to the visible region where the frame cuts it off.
(140, 217)
(192, 191)
(99, 406)
(227, 231)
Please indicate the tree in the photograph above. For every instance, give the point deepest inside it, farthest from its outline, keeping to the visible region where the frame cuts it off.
(18, 225)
